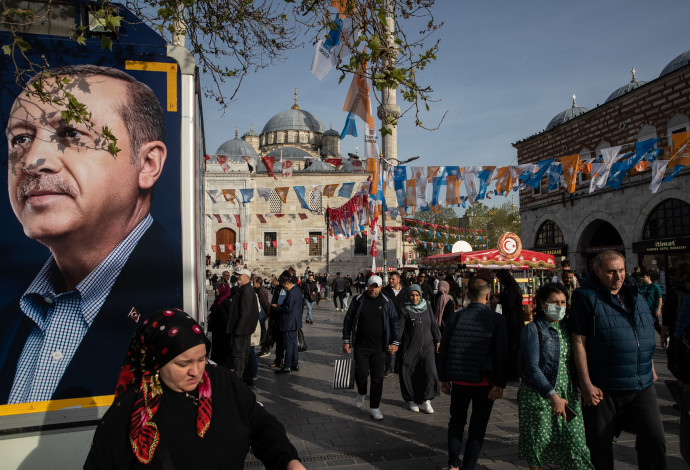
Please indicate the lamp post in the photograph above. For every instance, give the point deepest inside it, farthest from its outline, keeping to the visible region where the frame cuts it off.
(386, 164)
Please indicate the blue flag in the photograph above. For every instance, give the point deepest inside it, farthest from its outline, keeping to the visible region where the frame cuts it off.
(535, 179)
(554, 176)
(350, 128)
(618, 171)
(484, 177)
(247, 195)
(299, 190)
(346, 190)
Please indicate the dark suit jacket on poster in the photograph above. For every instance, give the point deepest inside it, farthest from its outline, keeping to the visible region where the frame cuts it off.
(151, 280)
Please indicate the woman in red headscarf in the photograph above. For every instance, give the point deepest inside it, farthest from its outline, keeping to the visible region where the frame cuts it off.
(173, 410)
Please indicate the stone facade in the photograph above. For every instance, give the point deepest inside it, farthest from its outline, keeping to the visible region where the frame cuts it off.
(658, 108)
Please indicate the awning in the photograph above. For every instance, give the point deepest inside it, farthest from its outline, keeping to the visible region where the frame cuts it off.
(490, 259)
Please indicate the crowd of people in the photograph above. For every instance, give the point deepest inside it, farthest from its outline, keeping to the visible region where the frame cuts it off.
(583, 365)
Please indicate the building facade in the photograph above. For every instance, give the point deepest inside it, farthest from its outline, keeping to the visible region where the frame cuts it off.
(651, 229)
(273, 234)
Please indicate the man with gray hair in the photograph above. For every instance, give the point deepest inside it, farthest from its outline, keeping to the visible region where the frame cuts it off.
(613, 345)
(110, 263)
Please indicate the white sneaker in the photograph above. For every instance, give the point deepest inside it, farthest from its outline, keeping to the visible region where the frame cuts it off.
(376, 414)
(412, 406)
(359, 401)
(425, 406)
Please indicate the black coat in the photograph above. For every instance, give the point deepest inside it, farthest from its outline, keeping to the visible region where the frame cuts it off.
(474, 344)
(151, 280)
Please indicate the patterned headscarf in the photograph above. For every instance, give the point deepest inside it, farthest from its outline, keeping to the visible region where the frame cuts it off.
(161, 338)
(443, 288)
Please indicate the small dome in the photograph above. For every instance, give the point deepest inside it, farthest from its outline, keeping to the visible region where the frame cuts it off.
(290, 153)
(236, 148)
(570, 113)
(681, 61)
(251, 132)
(626, 88)
(319, 166)
(331, 131)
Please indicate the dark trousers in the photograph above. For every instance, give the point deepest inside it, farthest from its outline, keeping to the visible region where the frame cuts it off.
(460, 398)
(639, 410)
(370, 361)
(280, 347)
(240, 351)
(291, 353)
(336, 296)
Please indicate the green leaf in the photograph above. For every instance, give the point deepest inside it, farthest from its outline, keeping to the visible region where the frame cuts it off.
(7, 49)
(106, 43)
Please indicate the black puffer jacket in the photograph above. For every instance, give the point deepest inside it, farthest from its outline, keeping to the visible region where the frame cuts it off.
(474, 344)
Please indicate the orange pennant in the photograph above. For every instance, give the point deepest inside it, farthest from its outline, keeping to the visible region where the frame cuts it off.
(282, 193)
(569, 169)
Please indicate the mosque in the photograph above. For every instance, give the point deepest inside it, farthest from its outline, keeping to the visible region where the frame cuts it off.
(271, 234)
(651, 229)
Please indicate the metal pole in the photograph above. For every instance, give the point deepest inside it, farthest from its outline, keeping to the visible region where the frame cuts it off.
(384, 245)
(328, 261)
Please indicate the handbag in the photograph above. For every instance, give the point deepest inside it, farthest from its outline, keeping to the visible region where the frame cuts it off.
(344, 375)
(301, 342)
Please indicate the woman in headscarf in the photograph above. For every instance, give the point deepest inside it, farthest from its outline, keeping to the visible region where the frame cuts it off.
(420, 338)
(174, 410)
(445, 305)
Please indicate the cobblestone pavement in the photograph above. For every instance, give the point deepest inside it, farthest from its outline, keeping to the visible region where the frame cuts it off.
(329, 432)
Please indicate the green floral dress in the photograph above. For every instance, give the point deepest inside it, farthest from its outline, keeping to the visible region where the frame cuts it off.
(546, 438)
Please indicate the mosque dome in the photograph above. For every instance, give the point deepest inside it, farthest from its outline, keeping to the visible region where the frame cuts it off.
(319, 166)
(290, 153)
(331, 131)
(236, 148)
(634, 83)
(681, 61)
(250, 133)
(570, 113)
(294, 119)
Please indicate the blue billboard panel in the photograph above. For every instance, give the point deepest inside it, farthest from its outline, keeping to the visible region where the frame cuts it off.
(91, 221)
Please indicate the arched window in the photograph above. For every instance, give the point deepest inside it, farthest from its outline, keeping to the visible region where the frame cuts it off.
(549, 234)
(671, 218)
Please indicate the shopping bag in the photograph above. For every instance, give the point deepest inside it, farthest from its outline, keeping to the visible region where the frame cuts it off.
(344, 375)
(301, 342)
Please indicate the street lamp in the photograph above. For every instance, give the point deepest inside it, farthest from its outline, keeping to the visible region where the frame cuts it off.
(386, 164)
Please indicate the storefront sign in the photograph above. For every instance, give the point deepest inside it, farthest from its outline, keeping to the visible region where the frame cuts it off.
(662, 246)
(554, 250)
(593, 250)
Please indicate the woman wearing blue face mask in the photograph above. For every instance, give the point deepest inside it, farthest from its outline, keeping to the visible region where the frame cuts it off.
(551, 426)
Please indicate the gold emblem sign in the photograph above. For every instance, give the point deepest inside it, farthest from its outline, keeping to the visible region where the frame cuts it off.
(509, 245)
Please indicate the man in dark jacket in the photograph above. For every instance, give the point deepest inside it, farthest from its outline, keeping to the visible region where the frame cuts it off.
(309, 291)
(339, 286)
(473, 356)
(290, 313)
(243, 315)
(265, 307)
(371, 325)
(613, 345)
(394, 291)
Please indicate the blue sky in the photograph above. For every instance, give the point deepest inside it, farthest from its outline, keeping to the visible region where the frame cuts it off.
(504, 69)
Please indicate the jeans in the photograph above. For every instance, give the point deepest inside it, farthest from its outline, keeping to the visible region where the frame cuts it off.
(291, 353)
(345, 299)
(637, 409)
(336, 296)
(370, 361)
(460, 398)
(240, 352)
(309, 307)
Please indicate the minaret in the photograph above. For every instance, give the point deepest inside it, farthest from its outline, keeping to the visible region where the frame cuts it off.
(389, 143)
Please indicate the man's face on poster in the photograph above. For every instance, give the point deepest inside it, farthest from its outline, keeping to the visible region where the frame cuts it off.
(62, 177)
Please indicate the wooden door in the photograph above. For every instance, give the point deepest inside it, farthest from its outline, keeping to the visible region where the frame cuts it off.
(224, 237)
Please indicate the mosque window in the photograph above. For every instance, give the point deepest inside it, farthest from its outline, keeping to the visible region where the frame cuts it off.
(315, 243)
(671, 218)
(549, 234)
(270, 243)
(315, 202)
(361, 244)
(275, 205)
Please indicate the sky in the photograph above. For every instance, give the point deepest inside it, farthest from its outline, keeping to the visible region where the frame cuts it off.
(503, 71)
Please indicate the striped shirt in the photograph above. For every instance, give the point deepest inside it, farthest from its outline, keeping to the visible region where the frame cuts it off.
(61, 320)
